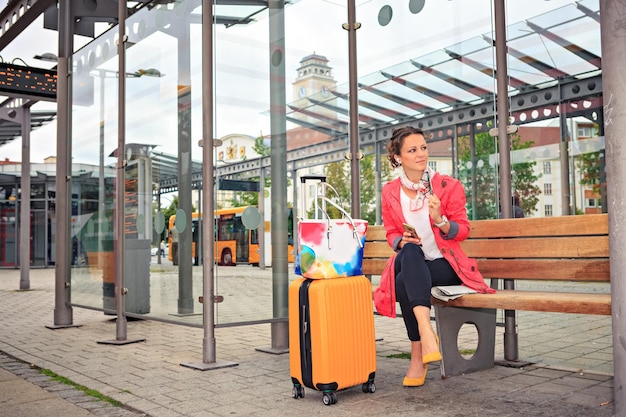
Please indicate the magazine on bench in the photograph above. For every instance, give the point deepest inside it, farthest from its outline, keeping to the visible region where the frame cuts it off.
(450, 292)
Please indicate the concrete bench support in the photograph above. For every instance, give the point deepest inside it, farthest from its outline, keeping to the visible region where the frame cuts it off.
(449, 322)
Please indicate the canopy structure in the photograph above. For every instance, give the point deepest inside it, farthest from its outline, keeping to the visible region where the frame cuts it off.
(555, 49)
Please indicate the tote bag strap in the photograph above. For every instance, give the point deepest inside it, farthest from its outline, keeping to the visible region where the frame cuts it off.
(326, 200)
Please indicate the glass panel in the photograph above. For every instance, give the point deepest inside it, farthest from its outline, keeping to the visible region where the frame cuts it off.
(415, 60)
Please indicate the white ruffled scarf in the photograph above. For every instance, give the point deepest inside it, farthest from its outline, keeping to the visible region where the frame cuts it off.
(422, 187)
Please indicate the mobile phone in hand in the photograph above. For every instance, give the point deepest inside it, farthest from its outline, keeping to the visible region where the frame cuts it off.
(410, 229)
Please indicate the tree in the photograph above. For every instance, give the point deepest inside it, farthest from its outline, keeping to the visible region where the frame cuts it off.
(589, 166)
(523, 177)
(338, 175)
(486, 205)
(260, 147)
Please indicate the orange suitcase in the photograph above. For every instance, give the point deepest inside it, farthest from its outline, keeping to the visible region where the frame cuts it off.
(331, 335)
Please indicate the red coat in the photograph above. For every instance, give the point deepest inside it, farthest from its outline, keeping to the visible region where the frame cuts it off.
(452, 196)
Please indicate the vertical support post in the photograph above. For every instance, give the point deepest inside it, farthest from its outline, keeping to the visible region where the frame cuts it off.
(199, 244)
(121, 324)
(160, 231)
(261, 228)
(101, 185)
(603, 196)
(564, 160)
(278, 127)
(613, 50)
(355, 185)
(472, 139)
(208, 183)
(185, 270)
(62, 293)
(120, 292)
(510, 329)
(378, 179)
(208, 197)
(25, 202)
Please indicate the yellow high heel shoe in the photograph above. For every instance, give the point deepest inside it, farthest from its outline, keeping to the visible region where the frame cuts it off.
(433, 356)
(415, 382)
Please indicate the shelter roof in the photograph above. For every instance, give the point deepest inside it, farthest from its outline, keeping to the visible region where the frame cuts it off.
(547, 50)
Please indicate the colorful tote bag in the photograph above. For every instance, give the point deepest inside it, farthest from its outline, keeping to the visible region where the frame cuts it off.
(330, 248)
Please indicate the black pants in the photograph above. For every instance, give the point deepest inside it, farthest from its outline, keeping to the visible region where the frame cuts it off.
(415, 276)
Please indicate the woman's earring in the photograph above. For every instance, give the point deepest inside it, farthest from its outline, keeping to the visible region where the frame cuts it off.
(398, 161)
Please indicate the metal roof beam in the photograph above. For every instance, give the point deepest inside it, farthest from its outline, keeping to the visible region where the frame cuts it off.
(362, 117)
(487, 70)
(334, 121)
(386, 111)
(594, 15)
(444, 98)
(533, 62)
(13, 24)
(463, 85)
(321, 129)
(582, 53)
(422, 108)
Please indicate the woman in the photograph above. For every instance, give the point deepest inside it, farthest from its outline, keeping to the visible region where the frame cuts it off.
(434, 204)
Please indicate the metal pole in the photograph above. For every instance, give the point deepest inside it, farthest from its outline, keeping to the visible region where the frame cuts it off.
(564, 160)
(355, 155)
(510, 329)
(120, 291)
(208, 199)
(101, 191)
(472, 139)
(613, 52)
(185, 270)
(261, 228)
(160, 231)
(25, 202)
(378, 181)
(62, 292)
(278, 159)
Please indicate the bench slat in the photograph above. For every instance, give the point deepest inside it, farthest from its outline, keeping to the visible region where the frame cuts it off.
(373, 266)
(375, 232)
(546, 247)
(378, 249)
(585, 270)
(592, 270)
(577, 303)
(589, 224)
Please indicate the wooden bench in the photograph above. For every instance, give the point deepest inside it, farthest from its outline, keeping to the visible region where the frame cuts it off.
(564, 249)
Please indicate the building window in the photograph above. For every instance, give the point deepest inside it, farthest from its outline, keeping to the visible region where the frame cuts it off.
(432, 165)
(547, 210)
(547, 189)
(584, 131)
(547, 167)
(591, 202)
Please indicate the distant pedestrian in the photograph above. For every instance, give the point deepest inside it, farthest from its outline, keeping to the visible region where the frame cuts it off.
(162, 248)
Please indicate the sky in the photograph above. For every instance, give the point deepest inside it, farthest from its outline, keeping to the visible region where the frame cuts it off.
(416, 28)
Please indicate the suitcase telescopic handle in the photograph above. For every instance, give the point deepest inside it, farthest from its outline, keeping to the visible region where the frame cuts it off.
(305, 178)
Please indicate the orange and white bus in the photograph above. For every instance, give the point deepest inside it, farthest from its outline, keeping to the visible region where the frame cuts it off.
(233, 242)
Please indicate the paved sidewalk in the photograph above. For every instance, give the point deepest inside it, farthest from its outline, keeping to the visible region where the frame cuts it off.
(574, 377)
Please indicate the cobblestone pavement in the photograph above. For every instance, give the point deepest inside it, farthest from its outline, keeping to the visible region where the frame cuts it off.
(28, 392)
(571, 374)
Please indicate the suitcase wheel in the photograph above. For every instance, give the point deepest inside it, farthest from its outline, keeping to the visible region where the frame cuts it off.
(298, 391)
(329, 398)
(369, 387)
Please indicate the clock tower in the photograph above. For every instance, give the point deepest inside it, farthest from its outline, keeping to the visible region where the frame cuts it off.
(314, 80)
